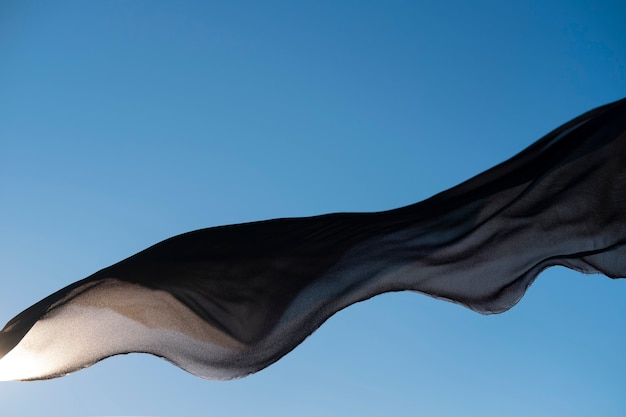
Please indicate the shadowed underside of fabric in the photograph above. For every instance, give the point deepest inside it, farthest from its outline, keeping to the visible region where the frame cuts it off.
(228, 301)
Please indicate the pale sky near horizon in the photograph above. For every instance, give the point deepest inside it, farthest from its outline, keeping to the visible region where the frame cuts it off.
(123, 123)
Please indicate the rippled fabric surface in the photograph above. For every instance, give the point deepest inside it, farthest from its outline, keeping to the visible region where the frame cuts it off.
(228, 301)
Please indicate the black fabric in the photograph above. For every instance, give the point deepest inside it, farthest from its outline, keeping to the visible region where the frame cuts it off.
(480, 244)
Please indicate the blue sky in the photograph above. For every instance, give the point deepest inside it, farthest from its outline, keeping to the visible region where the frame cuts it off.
(123, 123)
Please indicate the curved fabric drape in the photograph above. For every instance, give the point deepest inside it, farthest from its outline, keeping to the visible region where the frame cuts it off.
(228, 301)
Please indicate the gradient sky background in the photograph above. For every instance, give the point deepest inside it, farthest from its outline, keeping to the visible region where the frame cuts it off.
(123, 123)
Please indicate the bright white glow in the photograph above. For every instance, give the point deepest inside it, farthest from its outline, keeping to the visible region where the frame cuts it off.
(22, 363)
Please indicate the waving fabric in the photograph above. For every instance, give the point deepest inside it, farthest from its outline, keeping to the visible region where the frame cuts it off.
(228, 301)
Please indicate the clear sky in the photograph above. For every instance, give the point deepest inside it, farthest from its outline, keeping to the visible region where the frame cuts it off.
(123, 123)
